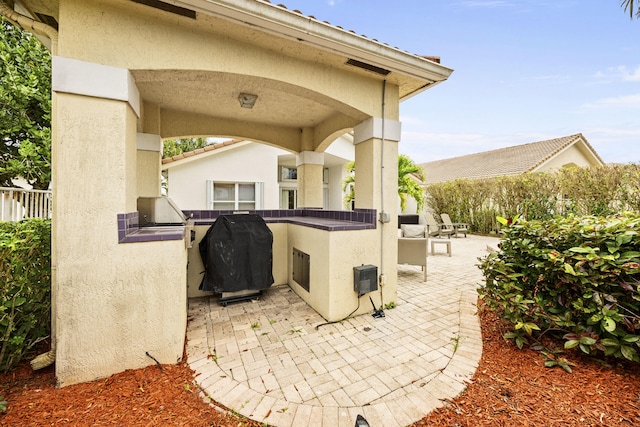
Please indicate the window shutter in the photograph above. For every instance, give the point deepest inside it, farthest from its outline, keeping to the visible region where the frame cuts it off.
(259, 195)
(209, 195)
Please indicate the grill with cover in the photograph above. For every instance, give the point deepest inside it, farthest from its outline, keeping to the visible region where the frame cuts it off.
(237, 256)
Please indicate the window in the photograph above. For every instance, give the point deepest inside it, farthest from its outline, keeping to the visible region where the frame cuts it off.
(288, 173)
(288, 198)
(234, 196)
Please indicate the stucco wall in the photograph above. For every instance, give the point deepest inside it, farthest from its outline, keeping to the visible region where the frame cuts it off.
(571, 155)
(153, 40)
(197, 46)
(332, 258)
(113, 302)
(336, 196)
(148, 171)
(248, 163)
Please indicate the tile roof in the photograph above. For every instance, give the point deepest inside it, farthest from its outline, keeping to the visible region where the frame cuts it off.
(431, 58)
(201, 150)
(504, 161)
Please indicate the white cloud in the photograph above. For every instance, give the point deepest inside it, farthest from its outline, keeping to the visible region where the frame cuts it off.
(613, 133)
(631, 75)
(619, 73)
(615, 144)
(626, 101)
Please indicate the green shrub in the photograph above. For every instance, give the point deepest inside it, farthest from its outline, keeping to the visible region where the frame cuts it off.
(25, 288)
(575, 279)
(597, 190)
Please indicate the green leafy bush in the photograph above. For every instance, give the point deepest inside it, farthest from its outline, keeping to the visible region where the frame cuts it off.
(599, 190)
(25, 288)
(575, 279)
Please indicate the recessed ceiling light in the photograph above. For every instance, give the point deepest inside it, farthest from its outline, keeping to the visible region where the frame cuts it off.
(247, 100)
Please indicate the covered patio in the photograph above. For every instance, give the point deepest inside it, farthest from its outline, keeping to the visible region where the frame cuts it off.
(127, 74)
(267, 360)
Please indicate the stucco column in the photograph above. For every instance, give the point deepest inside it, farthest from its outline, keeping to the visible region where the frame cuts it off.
(149, 158)
(376, 187)
(376, 148)
(113, 301)
(310, 166)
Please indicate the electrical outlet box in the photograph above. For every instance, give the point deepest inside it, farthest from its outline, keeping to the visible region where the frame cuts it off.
(384, 217)
(365, 279)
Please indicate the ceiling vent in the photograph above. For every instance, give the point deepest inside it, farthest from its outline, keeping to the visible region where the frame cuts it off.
(368, 67)
(46, 19)
(182, 11)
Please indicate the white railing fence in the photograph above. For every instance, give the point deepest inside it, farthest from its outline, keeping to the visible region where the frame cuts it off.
(17, 204)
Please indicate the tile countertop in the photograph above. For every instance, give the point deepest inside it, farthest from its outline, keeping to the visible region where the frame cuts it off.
(152, 234)
(129, 230)
(327, 224)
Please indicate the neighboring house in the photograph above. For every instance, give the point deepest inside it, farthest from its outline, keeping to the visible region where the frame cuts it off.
(245, 175)
(541, 156)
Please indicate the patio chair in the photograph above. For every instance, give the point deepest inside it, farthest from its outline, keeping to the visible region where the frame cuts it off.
(458, 227)
(434, 228)
(412, 246)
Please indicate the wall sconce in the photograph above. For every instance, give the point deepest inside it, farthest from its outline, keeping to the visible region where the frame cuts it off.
(247, 100)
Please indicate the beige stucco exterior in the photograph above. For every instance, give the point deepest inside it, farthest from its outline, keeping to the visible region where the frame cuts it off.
(332, 258)
(574, 155)
(122, 69)
(99, 327)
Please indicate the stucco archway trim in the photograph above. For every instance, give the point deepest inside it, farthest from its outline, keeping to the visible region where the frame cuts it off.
(100, 81)
(377, 127)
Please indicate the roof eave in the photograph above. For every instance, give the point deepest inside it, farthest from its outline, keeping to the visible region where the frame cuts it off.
(201, 153)
(293, 25)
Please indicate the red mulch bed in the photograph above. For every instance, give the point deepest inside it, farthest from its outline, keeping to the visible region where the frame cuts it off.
(511, 388)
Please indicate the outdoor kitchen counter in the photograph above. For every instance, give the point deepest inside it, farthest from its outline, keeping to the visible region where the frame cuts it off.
(165, 232)
(129, 230)
(359, 219)
(154, 234)
(326, 224)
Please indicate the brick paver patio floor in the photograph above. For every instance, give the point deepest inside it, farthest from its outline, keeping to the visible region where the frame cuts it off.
(266, 360)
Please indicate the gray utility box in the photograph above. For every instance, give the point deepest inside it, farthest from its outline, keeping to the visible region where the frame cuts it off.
(365, 279)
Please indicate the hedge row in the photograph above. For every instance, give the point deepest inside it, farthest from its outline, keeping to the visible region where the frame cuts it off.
(25, 288)
(576, 279)
(602, 191)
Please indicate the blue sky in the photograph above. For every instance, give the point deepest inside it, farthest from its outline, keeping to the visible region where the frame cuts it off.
(525, 71)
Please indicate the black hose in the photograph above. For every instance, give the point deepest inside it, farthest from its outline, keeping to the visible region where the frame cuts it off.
(154, 359)
(341, 320)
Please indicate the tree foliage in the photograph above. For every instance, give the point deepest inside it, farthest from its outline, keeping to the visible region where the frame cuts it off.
(410, 176)
(174, 147)
(25, 108)
(408, 185)
(349, 183)
(630, 6)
